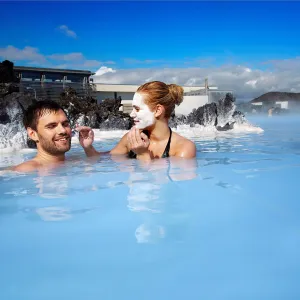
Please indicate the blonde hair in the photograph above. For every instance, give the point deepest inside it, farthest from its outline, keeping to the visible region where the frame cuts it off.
(158, 92)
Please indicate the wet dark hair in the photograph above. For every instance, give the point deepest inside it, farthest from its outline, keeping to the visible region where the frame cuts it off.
(37, 110)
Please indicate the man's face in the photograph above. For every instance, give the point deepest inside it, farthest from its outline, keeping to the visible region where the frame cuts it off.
(142, 115)
(54, 132)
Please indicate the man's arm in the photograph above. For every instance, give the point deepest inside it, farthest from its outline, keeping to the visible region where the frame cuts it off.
(91, 151)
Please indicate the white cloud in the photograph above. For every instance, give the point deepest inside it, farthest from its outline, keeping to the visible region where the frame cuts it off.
(251, 82)
(26, 54)
(104, 70)
(75, 59)
(284, 64)
(67, 57)
(247, 83)
(68, 32)
(31, 56)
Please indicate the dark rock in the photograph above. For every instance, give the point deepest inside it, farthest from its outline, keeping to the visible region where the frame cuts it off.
(239, 117)
(86, 111)
(4, 117)
(205, 115)
(218, 114)
(8, 80)
(7, 74)
(226, 127)
(8, 88)
(12, 133)
(225, 110)
(174, 121)
(92, 119)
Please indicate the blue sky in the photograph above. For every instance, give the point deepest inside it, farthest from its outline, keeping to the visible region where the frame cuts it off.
(122, 37)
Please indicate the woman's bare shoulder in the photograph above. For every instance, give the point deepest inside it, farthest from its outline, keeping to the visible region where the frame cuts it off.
(184, 147)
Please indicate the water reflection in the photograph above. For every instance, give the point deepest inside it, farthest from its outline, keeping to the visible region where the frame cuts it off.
(150, 191)
(51, 186)
(149, 234)
(53, 214)
(153, 192)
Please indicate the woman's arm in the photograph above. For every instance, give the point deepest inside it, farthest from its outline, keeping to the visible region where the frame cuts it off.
(86, 139)
(121, 147)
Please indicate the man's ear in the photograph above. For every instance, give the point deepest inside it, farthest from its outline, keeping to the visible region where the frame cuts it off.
(159, 111)
(32, 134)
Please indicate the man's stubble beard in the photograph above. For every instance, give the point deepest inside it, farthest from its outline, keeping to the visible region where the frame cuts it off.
(51, 148)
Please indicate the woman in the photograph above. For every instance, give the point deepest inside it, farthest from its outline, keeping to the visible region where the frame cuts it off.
(151, 136)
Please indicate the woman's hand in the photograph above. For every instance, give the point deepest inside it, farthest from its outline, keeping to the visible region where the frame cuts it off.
(138, 142)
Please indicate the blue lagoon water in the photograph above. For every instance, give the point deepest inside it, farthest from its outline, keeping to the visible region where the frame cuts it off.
(223, 226)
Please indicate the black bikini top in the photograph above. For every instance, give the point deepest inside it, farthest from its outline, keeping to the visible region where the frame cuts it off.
(131, 154)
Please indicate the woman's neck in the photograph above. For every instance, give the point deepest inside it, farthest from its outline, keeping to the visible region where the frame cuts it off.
(160, 131)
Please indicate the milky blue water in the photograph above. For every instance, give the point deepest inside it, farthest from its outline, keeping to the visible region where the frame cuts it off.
(223, 226)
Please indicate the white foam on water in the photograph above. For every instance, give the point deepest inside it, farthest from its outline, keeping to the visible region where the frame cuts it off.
(187, 131)
(200, 132)
(247, 128)
(27, 150)
(196, 132)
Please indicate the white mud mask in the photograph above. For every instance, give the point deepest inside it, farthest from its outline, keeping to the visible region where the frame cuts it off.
(143, 117)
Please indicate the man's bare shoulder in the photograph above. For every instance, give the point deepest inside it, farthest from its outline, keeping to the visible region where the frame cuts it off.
(27, 166)
(184, 147)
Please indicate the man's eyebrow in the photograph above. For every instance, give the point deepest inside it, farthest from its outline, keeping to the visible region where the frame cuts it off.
(55, 123)
(49, 124)
(135, 106)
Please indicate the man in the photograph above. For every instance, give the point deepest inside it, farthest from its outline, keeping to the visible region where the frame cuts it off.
(48, 126)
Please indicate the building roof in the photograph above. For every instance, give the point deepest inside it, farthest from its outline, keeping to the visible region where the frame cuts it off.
(101, 87)
(52, 70)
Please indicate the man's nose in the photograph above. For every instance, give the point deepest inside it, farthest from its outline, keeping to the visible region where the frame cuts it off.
(61, 129)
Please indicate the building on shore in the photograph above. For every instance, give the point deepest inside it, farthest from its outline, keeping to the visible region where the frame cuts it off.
(49, 83)
(194, 96)
(269, 104)
(288, 101)
(126, 92)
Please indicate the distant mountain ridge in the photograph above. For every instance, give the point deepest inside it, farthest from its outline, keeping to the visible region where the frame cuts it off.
(277, 96)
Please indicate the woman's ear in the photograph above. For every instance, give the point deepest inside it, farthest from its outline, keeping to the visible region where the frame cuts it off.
(159, 111)
(32, 134)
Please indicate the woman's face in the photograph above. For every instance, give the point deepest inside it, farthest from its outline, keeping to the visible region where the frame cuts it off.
(142, 115)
